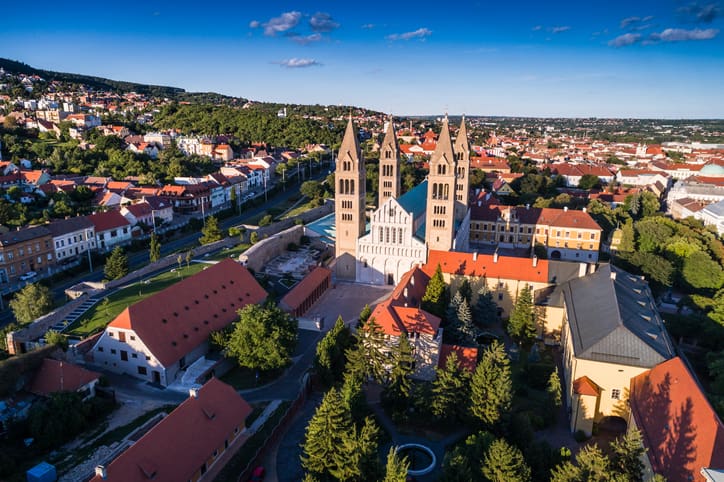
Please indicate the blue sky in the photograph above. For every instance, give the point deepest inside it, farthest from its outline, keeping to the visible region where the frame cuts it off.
(600, 58)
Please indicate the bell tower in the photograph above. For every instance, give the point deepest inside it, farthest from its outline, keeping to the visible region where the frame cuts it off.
(389, 166)
(440, 211)
(349, 203)
(462, 172)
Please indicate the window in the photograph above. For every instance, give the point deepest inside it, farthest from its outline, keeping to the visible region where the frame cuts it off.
(113, 351)
(142, 371)
(134, 355)
(500, 296)
(100, 348)
(616, 394)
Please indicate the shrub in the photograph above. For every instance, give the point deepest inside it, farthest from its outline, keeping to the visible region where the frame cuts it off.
(580, 436)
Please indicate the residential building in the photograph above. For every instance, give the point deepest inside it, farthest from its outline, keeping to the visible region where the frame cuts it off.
(25, 250)
(72, 237)
(611, 332)
(161, 209)
(187, 199)
(55, 376)
(111, 229)
(192, 443)
(138, 213)
(681, 432)
(156, 338)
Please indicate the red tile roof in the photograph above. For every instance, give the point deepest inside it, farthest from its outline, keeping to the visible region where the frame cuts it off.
(139, 210)
(179, 444)
(467, 356)
(467, 264)
(400, 313)
(178, 319)
(304, 288)
(585, 386)
(108, 220)
(57, 376)
(680, 429)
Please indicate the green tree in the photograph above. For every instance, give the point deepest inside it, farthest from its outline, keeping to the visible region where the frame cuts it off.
(485, 311)
(701, 272)
(465, 321)
(462, 463)
(451, 313)
(31, 302)
(254, 238)
(591, 466)
(650, 204)
(189, 257)
(366, 447)
(263, 338)
(435, 298)
(154, 251)
(466, 291)
(522, 322)
(491, 388)
(396, 468)
(116, 264)
(329, 438)
(365, 314)
(505, 463)
(589, 181)
(211, 231)
(330, 358)
(450, 390)
(311, 189)
(372, 342)
(56, 338)
(58, 418)
(627, 237)
(398, 390)
(628, 451)
(555, 393)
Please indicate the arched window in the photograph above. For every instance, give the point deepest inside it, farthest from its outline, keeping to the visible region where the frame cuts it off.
(341, 186)
(351, 186)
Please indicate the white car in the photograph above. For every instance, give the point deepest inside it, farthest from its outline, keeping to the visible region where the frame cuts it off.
(28, 275)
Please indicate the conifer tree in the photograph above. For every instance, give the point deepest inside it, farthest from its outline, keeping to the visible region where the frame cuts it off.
(554, 389)
(211, 231)
(367, 446)
(591, 466)
(154, 250)
(466, 291)
(522, 322)
(485, 311)
(505, 463)
(450, 390)
(330, 357)
(329, 435)
(491, 386)
(397, 391)
(628, 451)
(465, 322)
(435, 298)
(396, 468)
(373, 343)
(364, 315)
(353, 397)
(116, 264)
(451, 313)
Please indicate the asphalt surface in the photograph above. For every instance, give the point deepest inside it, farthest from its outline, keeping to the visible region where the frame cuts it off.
(140, 258)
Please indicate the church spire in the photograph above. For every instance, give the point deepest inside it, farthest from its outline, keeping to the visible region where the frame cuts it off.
(350, 145)
(462, 172)
(461, 141)
(389, 184)
(390, 140)
(444, 148)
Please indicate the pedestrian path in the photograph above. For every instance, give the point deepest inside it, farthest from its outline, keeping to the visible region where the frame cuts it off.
(61, 325)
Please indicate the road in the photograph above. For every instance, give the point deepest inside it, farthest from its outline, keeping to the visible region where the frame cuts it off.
(140, 258)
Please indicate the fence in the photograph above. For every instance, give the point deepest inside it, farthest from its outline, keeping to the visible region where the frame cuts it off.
(278, 430)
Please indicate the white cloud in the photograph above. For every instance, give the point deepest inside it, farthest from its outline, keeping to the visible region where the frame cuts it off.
(537, 27)
(368, 26)
(323, 22)
(420, 33)
(683, 35)
(560, 29)
(306, 39)
(254, 24)
(284, 22)
(625, 40)
(628, 21)
(296, 63)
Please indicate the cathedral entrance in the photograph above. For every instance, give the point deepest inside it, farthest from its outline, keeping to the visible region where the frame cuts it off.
(390, 279)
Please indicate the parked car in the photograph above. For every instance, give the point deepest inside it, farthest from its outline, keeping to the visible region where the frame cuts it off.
(28, 275)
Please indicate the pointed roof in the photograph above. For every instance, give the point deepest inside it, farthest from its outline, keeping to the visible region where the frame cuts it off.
(461, 142)
(390, 140)
(350, 143)
(444, 149)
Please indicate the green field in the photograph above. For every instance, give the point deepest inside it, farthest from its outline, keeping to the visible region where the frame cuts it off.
(229, 253)
(98, 316)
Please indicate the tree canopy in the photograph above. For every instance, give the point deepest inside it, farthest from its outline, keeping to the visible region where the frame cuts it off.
(31, 302)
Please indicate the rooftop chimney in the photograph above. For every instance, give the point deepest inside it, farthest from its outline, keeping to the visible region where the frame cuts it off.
(565, 208)
(194, 392)
(101, 471)
(535, 261)
(475, 255)
(527, 206)
(584, 210)
(495, 256)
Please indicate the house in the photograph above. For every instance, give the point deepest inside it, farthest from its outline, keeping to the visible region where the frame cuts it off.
(138, 213)
(158, 337)
(192, 443)
(161, 209)
(572, 173)
(223, 152)
(611, 332)
(58, 376)
(682, 434)
(713, 215)
(25, 250)
(72, 237)
(111, 229)
(187, 199)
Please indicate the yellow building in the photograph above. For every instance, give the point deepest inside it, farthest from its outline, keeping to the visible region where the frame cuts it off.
(611, 332)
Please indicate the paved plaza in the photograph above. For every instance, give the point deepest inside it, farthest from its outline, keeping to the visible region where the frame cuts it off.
(345, 299)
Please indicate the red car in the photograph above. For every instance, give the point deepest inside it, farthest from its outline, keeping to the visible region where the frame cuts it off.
(257, 475)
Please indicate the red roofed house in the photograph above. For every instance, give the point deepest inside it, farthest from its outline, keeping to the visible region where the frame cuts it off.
(111, 229)
(138, 213)
(467, 356)
(401, 314)
(681, 431)
(158, 337)
(58, 376)
(307, 291)
(193, 442)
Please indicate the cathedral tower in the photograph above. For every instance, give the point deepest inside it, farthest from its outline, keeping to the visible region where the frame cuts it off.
(389, 166)
(440, 211)
(349, 203)
(462, 172)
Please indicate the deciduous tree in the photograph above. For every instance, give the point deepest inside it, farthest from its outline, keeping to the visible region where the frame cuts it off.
(31, 302)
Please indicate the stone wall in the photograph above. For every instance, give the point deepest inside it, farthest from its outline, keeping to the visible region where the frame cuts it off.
(256, 257)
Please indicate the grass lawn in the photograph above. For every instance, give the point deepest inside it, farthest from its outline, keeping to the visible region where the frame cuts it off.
(98, 316)
(303, 207)
(229, 253)
(242, 378)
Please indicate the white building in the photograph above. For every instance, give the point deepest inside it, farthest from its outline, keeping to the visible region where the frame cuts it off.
(112, 230)
(72, 237)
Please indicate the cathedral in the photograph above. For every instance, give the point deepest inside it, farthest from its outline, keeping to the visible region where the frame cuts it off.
(433, 215)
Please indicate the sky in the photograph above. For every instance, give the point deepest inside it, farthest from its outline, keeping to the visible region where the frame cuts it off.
(641, 58)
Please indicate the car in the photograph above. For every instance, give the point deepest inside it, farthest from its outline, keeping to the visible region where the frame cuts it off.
(28, 275)
(257, 475)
